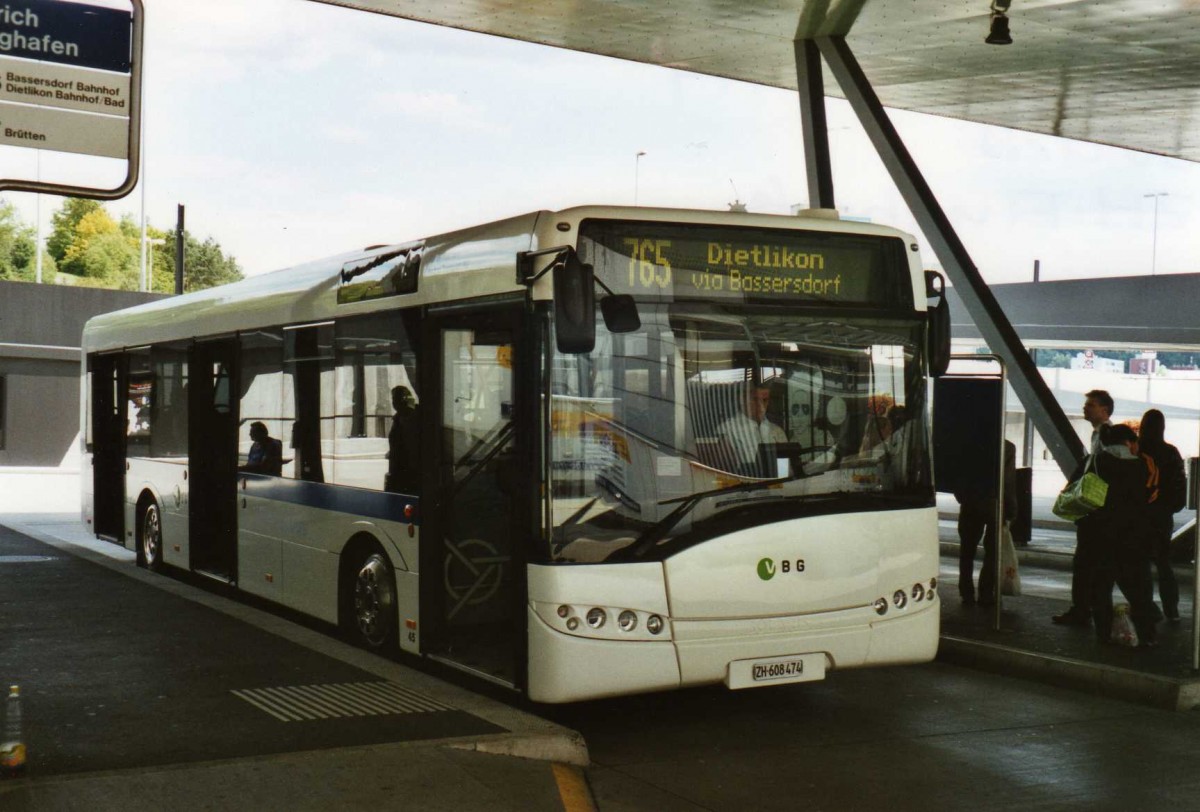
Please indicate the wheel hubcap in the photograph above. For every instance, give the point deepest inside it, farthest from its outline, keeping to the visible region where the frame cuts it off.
(374, 600)
(151, 536)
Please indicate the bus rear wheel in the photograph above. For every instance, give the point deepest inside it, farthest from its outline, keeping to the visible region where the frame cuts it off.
(150, 544)
(373, 604)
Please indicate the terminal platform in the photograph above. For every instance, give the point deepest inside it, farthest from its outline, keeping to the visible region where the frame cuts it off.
(1029, 644)
(136, 683)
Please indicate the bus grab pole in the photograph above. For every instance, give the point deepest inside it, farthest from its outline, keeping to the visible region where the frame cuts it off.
(1194, 486)
(998, 545)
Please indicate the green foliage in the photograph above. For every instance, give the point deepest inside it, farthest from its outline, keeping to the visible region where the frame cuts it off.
(11, 240)
(87, 247)
(1049, 359)
(205, 264)
(63, 224)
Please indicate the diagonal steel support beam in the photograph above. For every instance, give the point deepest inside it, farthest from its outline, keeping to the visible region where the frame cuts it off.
(815, 126)
(995, 328)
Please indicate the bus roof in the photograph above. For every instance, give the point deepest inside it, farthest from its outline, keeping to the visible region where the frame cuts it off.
(457, 265)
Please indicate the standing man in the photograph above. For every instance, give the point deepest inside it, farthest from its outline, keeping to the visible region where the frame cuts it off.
(1097, 410)
(404, 445)
(977, 518)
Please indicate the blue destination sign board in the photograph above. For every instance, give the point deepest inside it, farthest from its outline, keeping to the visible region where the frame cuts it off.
(68, 33)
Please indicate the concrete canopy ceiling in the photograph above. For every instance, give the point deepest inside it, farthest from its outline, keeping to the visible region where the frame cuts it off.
(1119, 72)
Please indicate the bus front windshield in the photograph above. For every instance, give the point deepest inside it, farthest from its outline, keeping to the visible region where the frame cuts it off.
(710, 419)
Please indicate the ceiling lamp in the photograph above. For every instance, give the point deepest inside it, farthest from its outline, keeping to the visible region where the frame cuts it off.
(998, 34)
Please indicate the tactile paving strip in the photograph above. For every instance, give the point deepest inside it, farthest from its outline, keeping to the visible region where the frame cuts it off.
(297, 703)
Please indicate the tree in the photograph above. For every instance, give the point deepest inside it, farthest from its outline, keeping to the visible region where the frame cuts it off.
(64, 222)
(111, 260)
(205, 264)
(11, 233)
(100, 250)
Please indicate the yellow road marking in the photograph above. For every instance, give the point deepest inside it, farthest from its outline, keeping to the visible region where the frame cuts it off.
(573, 788)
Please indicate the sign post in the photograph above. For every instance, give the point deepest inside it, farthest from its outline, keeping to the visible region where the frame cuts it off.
(70, 81)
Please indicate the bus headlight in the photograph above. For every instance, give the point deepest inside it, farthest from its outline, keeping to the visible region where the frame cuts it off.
(627, 621)
(596, 617)
(564, 611)
(881, 605)
(900, 598)
(654, 624)
(918, 592)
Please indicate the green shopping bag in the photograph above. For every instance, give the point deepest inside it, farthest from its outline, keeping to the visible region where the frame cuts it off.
(1082, 496)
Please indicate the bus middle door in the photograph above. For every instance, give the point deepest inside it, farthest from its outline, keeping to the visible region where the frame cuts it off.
(213, 458)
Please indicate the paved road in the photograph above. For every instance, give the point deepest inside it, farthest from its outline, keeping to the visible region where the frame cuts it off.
(921, 738)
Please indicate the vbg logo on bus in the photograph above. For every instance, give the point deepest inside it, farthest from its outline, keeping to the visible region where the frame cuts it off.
(767, 568)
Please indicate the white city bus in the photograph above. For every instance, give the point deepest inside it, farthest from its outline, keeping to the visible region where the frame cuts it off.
(583, 501)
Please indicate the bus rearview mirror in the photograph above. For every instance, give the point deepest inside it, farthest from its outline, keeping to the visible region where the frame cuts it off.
(939, 324)
(620, 313)
(574, 305)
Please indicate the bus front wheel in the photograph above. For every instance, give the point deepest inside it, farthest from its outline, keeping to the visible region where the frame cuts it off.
(373, 602)
(150, 545)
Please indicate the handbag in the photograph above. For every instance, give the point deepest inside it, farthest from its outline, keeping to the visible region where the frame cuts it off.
(1082, 496)
(1010, 576)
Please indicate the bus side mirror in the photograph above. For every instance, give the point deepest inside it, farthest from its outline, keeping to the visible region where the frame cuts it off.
(574, 305)
(939, 324)
(620, 313)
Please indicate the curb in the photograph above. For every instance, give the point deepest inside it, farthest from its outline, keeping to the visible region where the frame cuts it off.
(564, 748)
(1167, 693)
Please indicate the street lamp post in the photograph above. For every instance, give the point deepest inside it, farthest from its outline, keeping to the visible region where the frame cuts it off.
(148, 250)
(1154, 242)
(637, 162)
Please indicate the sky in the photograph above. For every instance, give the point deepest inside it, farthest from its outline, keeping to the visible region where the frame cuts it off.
(293, 130)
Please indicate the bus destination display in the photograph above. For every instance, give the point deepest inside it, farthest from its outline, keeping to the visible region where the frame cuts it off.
(706, 262)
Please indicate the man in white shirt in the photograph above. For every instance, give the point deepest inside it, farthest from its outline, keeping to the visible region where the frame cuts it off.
(1097, 409)
(749, 429)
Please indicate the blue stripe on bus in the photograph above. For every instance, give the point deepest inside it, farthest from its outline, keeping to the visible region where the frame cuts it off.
(356, 501)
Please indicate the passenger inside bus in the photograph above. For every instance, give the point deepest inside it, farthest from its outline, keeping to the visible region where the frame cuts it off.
(266, 453)
(404, 449)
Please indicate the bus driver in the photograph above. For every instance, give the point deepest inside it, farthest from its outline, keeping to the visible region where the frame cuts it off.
(749, 429)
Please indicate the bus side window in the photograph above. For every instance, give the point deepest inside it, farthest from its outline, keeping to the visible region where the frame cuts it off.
(375, 369)
(263, 397)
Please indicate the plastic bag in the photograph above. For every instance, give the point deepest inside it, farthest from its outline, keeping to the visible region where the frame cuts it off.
(1123, 632)
(1082, 496)
(1010, 575)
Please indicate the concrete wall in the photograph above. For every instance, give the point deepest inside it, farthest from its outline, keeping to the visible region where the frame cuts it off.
(40, 331)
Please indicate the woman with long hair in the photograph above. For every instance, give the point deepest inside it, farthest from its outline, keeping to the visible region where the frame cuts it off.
(1172, 497)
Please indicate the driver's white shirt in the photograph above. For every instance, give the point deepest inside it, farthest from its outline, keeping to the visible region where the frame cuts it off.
(745, 435)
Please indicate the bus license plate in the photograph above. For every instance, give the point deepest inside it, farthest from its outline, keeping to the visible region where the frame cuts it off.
(775, 671)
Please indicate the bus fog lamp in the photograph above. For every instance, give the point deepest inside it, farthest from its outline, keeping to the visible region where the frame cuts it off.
(573, 623)
(654, 624)
(881, 605)
(627, 620)
(596, 617)
(900, 598)
(918, 592)
(564, 611)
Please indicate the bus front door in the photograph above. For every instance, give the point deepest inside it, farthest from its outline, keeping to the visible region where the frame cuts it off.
(109, 424)
(213, 459)
(472, 576)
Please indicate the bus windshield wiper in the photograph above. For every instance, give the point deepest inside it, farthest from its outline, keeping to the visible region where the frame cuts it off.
(659, 529)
